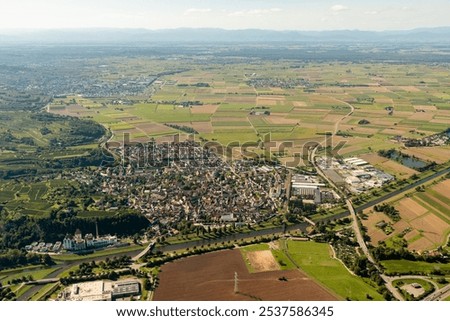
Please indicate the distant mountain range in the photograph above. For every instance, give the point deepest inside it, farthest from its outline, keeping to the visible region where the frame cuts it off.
(184, 35)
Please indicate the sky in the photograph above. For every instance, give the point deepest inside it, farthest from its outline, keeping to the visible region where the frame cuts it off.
(227, 14)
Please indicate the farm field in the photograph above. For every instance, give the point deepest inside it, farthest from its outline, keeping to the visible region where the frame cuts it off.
(388, 166)
(424, 223)
(32, 142)
(414, 267)
(210, 277)
(316, 261)
(233, 107)
(263, 264)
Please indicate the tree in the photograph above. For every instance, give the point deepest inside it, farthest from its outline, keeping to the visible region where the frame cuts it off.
(147, 284)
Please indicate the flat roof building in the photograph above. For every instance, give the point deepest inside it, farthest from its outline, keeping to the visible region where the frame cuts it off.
(334, 177)
(101, 290)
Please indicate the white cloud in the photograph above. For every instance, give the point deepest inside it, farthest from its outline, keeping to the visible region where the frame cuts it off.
(255, 12)
(338, 8)
(196, 10)
(373, 12)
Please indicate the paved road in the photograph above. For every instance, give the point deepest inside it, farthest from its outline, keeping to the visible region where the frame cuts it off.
(351, 211)
(165, 248)
(67, 265)
(439, 295)
(403, 189)
(144, 251)
(390, 279)
(425, 278)
(358, 234)
(389, 195)
(363, 246)
(233, 237)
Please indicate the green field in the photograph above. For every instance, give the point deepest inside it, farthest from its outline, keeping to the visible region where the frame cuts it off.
(35, 274)
(295, 114)
(414, 267)
(118, 251)
(315, 259)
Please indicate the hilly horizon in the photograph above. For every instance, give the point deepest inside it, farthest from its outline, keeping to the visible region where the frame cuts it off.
(217, 35)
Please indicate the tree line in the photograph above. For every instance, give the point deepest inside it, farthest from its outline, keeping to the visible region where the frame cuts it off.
(17, 232)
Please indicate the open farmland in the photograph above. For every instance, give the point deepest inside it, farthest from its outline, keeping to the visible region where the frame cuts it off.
(227, 105)
(425, 219)
(210, 277)
(414, 267)
(316, 260)
(389, 166)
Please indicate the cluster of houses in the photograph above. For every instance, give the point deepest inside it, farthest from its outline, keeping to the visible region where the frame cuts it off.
(74, 243)
(42, 247)
(285, 83)
(439, 139)
(194, 186)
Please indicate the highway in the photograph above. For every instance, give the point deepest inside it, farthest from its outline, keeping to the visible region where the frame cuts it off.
(439, 295)
(351, 211)
(67, 265)
(233, 237)
(136, 254)
(387, 196)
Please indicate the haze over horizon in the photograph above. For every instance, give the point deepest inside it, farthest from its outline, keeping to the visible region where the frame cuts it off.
(247, 14)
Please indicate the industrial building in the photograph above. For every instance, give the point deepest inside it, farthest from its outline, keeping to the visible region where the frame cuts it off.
(309, 187)
(101, 290)
(354, 173)
(78, 243)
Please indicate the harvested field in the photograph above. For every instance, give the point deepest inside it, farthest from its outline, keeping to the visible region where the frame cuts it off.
(266, 102)
(390, 131)
(375, 233)
(437, 154)
(332, 118)
(406, 88)
(152, 128)
(425, 107)
(412, 235)
(262, 261)
(411, 209)
(300, 104)
(210, 277)
(202, 127)
(388, 165)
(387, 101)
(401, 226)
(433, 227)
(443, 187)
(281, 120)
(420, 244)
(205, 109)
(422, 116)
(362, 130)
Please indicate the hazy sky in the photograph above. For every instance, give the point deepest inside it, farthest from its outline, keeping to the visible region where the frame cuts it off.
(228, 14)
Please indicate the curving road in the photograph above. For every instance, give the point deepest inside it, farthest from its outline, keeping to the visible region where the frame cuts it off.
(351, 210)
(439, 295)
(67, 265)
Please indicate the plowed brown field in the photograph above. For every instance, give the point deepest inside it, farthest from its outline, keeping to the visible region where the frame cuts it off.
(210, 277)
